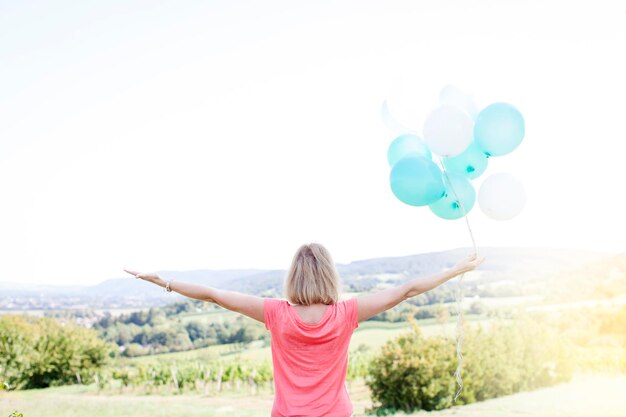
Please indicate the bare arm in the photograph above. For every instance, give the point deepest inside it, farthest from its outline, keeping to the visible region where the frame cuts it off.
(248, 305)
(372, 304)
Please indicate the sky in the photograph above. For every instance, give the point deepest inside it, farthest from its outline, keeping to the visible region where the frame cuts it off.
(168, 135)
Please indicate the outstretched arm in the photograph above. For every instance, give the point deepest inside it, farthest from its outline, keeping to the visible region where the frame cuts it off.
(248, 305)
(372, 304)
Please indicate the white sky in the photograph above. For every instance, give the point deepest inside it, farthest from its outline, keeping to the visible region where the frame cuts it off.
(223, 134)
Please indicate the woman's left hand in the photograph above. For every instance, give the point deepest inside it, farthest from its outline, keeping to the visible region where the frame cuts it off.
(148, 276)
(470, 263)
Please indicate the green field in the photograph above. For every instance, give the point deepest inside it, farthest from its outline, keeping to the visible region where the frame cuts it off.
(208, 317)
(586, 396)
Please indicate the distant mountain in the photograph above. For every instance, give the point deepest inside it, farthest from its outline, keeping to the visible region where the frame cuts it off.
(508, 263)
(226, 279)
(502, 264)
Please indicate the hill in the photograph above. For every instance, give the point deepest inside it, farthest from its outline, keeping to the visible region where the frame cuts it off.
(502, 265)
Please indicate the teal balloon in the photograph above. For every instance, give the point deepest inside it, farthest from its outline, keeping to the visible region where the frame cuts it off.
(407, 145)
(471, 163)
(458, 190)
(499, 129)
(416, 181)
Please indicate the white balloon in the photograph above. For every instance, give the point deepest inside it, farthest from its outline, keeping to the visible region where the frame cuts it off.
(448, 131)
(501, 196)
(409, 99)
(451, 95)
(391, 123)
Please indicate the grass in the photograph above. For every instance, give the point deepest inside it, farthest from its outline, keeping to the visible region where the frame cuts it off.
(54, 402)
(587, 395)
(208, 317)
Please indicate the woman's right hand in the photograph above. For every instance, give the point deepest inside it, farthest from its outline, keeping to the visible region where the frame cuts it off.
(148, 276)
(470, 263)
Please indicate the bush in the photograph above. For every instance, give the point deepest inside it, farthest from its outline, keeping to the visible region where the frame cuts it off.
(414, 372)
(38, 353)
(411, 373)
(135, 349)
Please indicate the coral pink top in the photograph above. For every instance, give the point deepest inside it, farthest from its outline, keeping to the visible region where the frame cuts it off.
(310, 360)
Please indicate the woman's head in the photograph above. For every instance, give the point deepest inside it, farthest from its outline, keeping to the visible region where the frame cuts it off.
(312, 277)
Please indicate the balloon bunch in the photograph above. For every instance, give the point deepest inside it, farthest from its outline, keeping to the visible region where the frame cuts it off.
(464, 139)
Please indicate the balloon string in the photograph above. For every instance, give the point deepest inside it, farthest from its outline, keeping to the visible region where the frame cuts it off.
(459, 338)
(458, 200)
(459, 294)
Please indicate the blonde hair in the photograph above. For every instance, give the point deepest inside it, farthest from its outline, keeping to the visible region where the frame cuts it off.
(312, 277)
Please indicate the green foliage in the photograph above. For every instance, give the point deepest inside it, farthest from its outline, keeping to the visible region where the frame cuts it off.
(414, 372)
(180, 377)
(162, 330)
(423, 306)
(509, 357)
(478, 307)
(444, 293)
(358, 363)
(205, 374)
(396, 314)
(38, 353)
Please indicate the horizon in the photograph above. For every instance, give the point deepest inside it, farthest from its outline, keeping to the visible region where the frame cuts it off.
(605, 254)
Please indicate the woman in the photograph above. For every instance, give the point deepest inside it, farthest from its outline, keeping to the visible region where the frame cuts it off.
(311, 331)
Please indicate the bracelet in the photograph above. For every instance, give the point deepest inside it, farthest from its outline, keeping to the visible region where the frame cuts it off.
(167, 286)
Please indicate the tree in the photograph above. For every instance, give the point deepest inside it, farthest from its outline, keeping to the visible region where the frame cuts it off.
(38, 353)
